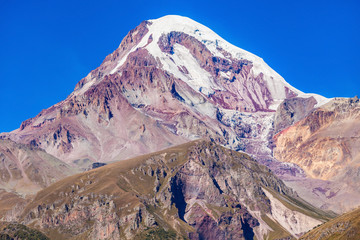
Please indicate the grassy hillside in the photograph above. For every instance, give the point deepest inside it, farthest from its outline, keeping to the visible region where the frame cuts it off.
(346, 226)
(9, 231)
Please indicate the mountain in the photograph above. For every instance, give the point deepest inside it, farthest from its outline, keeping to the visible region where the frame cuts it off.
(24, 170)
(346, 226)
(170, 81)
(326, 145)
(198, 190)
(173, 80)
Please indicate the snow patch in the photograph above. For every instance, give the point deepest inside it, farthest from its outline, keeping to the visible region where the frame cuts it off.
(225, 75)
(197, 78)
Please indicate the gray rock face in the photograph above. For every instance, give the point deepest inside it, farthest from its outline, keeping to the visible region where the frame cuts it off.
(291, 111)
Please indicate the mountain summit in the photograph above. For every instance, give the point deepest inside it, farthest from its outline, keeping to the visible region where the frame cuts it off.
(171, 80)
(168, 40)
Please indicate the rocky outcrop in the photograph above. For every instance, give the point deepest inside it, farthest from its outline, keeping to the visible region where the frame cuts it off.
(291, 111)
(326, 137)
(326, 146)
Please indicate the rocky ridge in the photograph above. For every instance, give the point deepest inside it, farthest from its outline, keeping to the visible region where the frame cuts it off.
(198, 190)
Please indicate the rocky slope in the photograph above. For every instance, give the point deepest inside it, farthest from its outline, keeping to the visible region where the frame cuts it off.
(326, 145)
(170, 81)
(198, 190)
(346, 226)
(24, 170)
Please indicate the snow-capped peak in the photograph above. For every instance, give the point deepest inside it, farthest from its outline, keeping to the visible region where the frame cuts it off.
(197, 78)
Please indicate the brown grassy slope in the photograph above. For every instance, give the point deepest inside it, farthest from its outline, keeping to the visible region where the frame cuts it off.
(105, 180)
(8, 201)
(346, 226)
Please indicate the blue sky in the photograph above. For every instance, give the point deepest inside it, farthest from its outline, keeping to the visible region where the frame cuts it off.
(46, 47)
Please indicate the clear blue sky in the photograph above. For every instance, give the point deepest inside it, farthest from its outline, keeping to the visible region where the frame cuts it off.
(46, 47)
